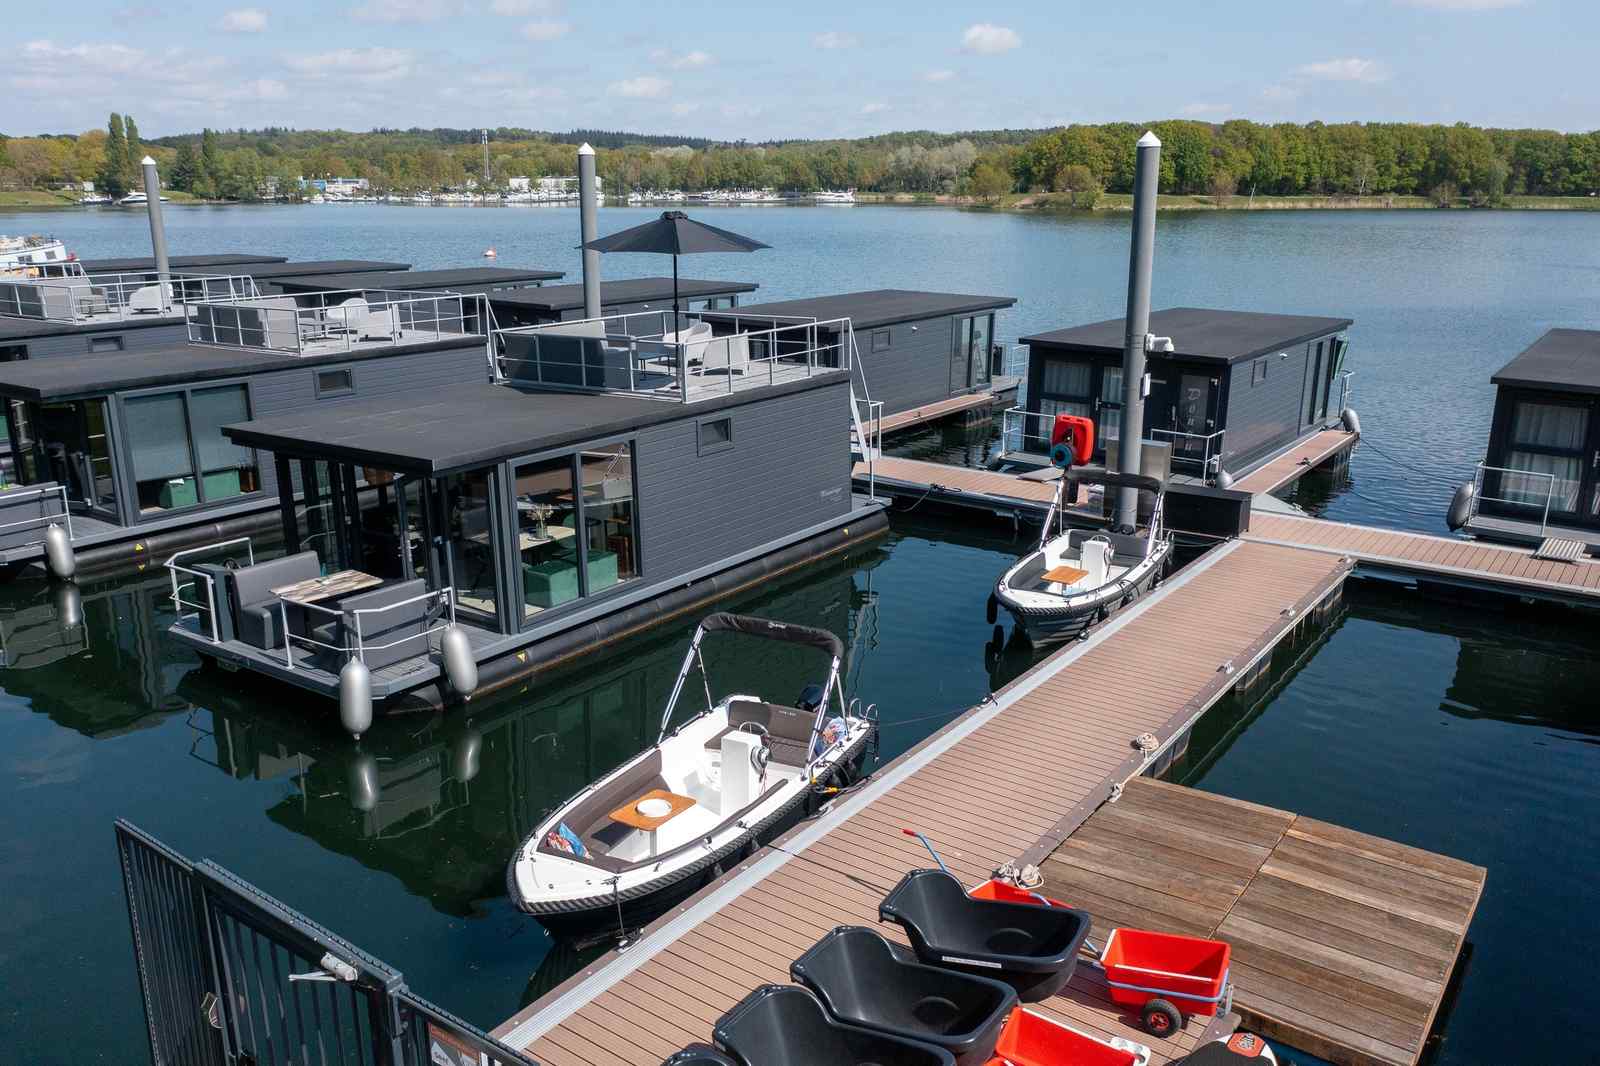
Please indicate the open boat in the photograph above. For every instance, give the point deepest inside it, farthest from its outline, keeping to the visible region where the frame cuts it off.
(702, 794)
(1075, 577)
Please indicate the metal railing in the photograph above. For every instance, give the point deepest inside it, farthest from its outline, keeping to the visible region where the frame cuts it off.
(14, 497)
(1344, 390)
(200, 578)
(445, 597)
(1480, 481)
(337, 321)
(118, 297)
(1184, 445)
(636, 353)
(1022, 430)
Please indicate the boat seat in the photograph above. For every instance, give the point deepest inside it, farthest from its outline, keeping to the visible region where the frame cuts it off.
(591, 818)
(788, 729)
(256, 617)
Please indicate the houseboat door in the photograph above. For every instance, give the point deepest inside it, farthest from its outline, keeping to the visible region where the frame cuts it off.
(969, 357)
(1196, 393)
(1557, 442)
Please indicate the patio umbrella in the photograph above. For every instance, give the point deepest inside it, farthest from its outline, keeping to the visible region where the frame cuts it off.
(674, 234)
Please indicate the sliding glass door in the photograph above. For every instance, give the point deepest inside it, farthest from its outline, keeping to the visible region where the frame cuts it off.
(576, 526)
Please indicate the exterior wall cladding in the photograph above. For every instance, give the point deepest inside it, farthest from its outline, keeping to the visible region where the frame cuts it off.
(1269, 414)
(914, 369)
(283, 391)
(788, 468)
(135, 338)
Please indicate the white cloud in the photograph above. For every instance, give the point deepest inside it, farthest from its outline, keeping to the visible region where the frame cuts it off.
(693, 61)
(1280, 94)
(830, 40)
(1197, 109)
(938, 75)
(545, 30)
(685, 108)
(876, 107)
(407, 10)
(987, 39)
(644, 87)
(1464, 5)
(244, 20)
(525, 7)
(1348, 69)
(365, 64)
(100, 58)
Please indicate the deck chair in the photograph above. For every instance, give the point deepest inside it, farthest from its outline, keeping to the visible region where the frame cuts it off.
(349, 316)
(149, 299)
(731, 354)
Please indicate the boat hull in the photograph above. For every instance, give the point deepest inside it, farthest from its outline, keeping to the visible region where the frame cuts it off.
(1069, 620)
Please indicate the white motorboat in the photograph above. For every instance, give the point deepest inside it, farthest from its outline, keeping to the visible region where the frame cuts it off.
(701, 795)
(138, 199)
(1078, 577)
(32, 255)
(834, 196)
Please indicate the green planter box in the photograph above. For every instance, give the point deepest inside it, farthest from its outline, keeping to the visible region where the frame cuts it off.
(553, 583)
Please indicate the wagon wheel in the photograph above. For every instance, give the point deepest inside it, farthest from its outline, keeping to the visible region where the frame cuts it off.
(1160, 1018)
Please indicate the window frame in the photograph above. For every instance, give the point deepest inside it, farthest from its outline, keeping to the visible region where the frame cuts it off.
(124, 449)
(716, 446)
(100, 343)
(322, 392)
(888, 340)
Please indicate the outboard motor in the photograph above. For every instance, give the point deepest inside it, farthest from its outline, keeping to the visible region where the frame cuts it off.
(811, 697)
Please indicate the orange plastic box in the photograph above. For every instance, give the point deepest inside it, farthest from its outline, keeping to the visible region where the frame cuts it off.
(1189, 972)
(1031, 1039)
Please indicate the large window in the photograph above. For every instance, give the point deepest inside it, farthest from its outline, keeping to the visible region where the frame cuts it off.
(572, 544)
(1546, 438)
(180, 457)
(471, 541)
(68, 443)
(608, 515)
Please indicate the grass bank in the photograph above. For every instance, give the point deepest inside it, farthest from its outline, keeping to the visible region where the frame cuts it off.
(1050, 201)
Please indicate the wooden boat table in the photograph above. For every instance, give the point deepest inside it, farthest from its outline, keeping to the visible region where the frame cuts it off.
(316, 589)
(630, 815)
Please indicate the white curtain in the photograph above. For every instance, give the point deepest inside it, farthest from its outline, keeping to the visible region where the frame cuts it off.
(1553, 426)
(1110, 426)
(1063, 378)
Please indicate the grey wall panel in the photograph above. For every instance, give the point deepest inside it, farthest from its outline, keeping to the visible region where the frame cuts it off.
(1264, 416)
(788, 468)
(915, 369)
(134, 339)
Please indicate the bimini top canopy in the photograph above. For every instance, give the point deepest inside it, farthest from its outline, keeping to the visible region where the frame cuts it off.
(763, 627)
(1099, 475)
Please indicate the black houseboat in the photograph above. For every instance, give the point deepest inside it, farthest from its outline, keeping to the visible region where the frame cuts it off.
(1540, 479)
(564, 303)
(606, 480)
(1235, 388)
(123, 454)
(464, 280)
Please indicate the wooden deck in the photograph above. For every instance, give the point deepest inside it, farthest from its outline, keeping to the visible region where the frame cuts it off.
(931, 412)
(988, 490)
(1343, 943)
(1292, 465)
(1445, 559)
(1011, 778)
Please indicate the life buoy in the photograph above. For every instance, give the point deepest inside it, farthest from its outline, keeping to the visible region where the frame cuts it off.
(1077, 434)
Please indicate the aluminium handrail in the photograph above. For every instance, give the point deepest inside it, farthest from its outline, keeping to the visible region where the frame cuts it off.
(15, 496)
(361, 647)
(1207, 456)
(174, 568)
(1478, 495)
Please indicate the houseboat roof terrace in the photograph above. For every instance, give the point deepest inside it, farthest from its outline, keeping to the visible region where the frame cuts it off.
(88, 299)
(317, 267)
(1201, 333)
(338, 322)
(872, 308)
(467, 425)
(1563, 360)
(554, 299)
(461, 279)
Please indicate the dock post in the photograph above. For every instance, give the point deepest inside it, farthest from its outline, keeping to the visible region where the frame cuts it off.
(587, 226)
(158, 229)
(1147, 172)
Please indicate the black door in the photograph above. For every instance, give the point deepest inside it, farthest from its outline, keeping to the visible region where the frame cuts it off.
(1196, 393)
(1549, 461)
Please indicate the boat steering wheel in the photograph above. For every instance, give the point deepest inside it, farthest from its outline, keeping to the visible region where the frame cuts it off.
(759, 757)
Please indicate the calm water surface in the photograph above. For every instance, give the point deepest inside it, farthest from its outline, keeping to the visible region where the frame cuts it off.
(1449, 729)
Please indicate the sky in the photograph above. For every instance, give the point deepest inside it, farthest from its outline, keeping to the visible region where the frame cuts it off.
(764, 70)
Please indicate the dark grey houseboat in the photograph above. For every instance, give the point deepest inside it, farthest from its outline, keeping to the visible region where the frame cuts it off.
(562, 303)
(603, 483)
(1235, 388)
(465, 280)
(912, 348)
(124, 454)
(214, 263)
(266, 275)
(1540, 478)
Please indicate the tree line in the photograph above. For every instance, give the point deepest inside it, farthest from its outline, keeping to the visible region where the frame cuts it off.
(1082, 161)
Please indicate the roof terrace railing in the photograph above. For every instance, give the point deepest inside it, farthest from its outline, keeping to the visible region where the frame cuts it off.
(89, 298)
(683, 359)
(345, 320)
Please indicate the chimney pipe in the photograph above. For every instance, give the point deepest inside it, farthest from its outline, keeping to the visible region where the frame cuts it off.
(1147, 171)
(587, 227)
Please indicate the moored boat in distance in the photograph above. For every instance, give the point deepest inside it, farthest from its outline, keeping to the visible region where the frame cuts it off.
(834, 197)
(31, 254)
(138, 199)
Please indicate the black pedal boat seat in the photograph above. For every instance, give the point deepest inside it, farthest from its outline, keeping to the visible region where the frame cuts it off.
(862, 979)
(699, 1055)
(1032, 948)
(785, 1025)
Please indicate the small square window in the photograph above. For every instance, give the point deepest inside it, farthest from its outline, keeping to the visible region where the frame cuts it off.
(1258, 371)
(716, 434)
(335, 382)
(880, 340)
(105, 344)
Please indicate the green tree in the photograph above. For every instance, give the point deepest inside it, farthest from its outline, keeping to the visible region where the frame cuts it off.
(989, 181)
(1079, 182)
(134, 175)
(185, 167)
(113, 170)
(209, 176)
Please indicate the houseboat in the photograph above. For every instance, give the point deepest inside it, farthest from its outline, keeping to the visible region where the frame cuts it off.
(1229, 390)
(562, 303)
(912, 348)
(121, 455)
(266, 275)
(1539, 482)
(463, 280)
(31, 255)
(453, 541)
(206, 263)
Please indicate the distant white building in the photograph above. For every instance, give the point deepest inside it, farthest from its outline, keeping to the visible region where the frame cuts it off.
(566, 186)
(519, 184)
(346, 186)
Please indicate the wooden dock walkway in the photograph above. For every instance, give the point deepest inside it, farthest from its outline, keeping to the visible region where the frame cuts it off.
(916, 479)
(1343, 943)
(1449, 560)
(1011, 778)
(932, 412)
(1292, 465)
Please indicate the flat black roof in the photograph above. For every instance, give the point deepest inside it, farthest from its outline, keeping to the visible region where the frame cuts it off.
(875, 307)
(322, 266)
(444, 280)
(18, 329)
(177, 262)
(104, 373)
(1200, 333)
(1563, 360)
(471, 425)
(553, 299)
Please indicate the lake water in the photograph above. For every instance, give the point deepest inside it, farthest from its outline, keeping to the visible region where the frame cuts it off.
(1446, 729)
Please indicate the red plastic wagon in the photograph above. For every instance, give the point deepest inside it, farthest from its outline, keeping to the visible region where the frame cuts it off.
(1166, 977)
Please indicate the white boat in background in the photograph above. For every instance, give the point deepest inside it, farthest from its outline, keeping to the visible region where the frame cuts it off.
(138, 199)
(93, 199)
(31, 255)
(835, 196)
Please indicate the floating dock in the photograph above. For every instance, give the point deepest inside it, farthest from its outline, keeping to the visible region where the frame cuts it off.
(932, 412)
(1281, 471)
(1011, 778)
(1007, 495)
(1343, 943)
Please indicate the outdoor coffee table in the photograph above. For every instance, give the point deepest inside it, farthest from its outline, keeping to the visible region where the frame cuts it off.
(314, 590)
(630, 815)
(1065, 575)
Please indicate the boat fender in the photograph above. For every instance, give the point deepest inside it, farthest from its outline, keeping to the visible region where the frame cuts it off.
(460, 668)
(993, 610)
(355, 697)
(69, 606)
(1224, 479)
(1460, 506)
(1350, 420)
(364, 787)
(59, 557)
(465, 755)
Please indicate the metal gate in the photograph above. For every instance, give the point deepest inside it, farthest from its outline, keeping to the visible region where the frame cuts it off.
(232, 977)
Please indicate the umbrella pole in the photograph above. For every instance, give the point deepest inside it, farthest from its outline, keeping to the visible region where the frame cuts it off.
(674, 292)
